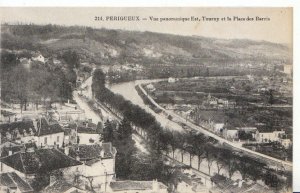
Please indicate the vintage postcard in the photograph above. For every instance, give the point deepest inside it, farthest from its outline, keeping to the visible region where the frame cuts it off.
(146, 100)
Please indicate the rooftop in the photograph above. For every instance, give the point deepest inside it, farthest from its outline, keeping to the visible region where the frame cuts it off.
(12, 180)
(39, 160)
(134, 185)
(44, 128)
(21, 126)
(61, 186)
(89, 152)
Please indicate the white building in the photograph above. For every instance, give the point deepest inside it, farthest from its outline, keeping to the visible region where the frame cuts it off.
(286, 143)
(38, 57)
(88, 135)
(218, 127)
(98, 164)
(171, 80)
(48, 134)
(230, 133)
(269, 136)
(29, 163)
(287, 69)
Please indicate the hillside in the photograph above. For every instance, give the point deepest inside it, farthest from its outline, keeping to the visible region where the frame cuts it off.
(103, 46)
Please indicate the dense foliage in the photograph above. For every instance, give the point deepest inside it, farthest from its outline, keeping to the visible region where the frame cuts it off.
(35, 84)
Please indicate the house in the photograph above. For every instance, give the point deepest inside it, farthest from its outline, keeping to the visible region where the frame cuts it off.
(18, 131)
(268, 136)
(219, 127)
(98, 163)
(230, 133)
(15, 148)
(225, 185)
(137, 187)
(28, 164)
(287, 69)
(48, 134)
(171, 80)
(189, 184)
(26, 63)
(10, 182)
(150, 87)
(285, 142)
(87, 133)
(38, 57)
(62, 186)
(223, 102)
(6, 116)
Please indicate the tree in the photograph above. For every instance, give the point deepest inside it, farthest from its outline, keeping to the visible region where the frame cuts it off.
(71, 58)
(19, 85)
(230, 161)
(181, 143)
(271, 97)
(171, 139)
(219, 157)
(209, 155)
(207, 72)
(98, 82)
(125, 129)
(108, 134)
(198, 142)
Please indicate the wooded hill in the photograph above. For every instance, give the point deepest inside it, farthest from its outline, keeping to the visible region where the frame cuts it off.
(104, 46)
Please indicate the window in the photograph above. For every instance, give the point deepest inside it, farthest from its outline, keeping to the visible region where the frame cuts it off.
(45, 140)
(57, 139)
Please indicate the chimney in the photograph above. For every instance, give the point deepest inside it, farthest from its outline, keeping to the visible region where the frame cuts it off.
(67, 150)
(155, 186)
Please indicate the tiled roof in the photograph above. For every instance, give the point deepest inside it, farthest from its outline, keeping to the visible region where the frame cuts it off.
(12, 180)
(39, 160)
(16, 148)
(87, 130)
(59, 187)
(134, 185)
(47, 129)
(19, 125)
(7, 113)
(89, 152)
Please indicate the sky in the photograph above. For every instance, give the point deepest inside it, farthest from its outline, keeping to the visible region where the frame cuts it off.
(277, 29)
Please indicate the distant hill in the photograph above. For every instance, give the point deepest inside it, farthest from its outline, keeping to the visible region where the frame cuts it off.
(103, 46)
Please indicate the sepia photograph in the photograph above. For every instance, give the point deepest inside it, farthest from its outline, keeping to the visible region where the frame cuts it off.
(146, 100)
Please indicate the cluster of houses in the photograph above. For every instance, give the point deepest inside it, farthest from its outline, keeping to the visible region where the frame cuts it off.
(61, 158)
(223, 184)
(259, 135)
(218, 103)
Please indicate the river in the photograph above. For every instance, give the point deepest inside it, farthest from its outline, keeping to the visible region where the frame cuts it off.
(128, 91)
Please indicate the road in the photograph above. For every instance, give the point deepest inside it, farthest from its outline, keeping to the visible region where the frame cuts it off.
(287, 165)
(89, 113)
